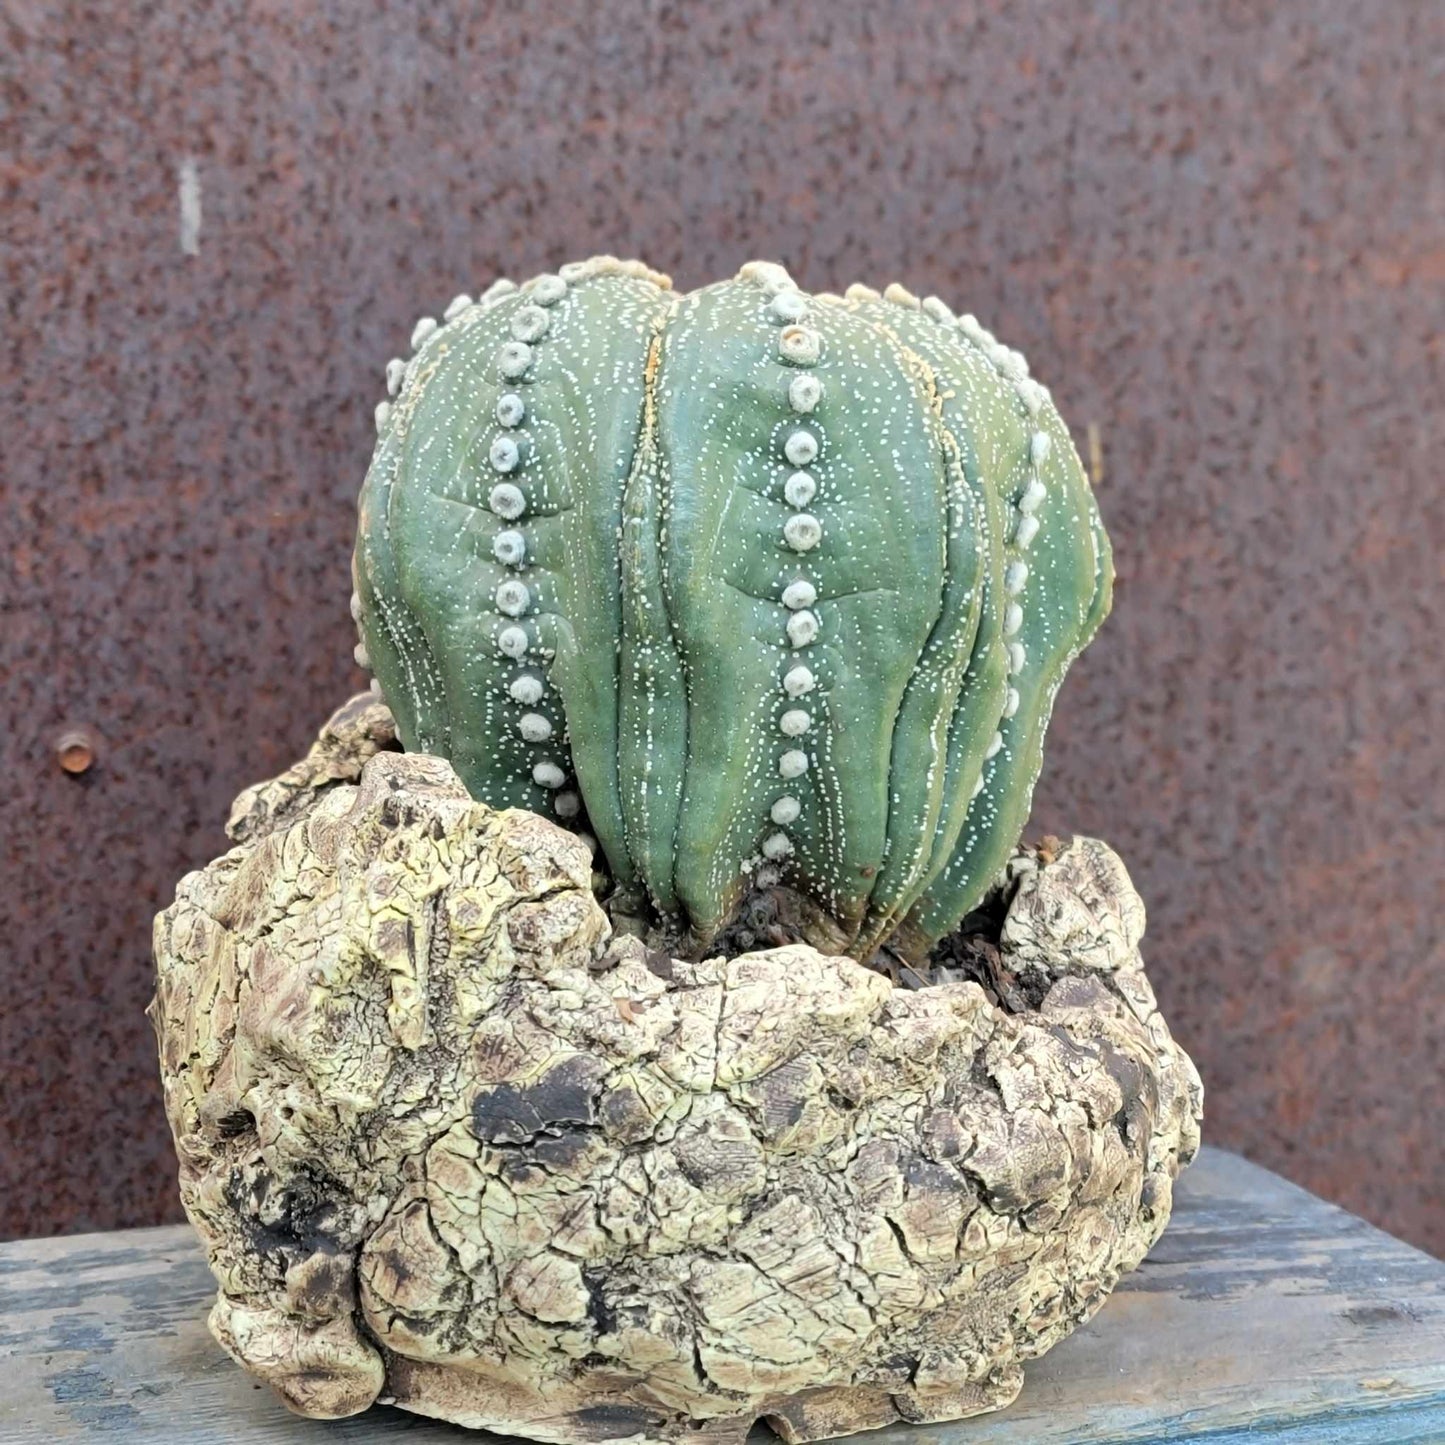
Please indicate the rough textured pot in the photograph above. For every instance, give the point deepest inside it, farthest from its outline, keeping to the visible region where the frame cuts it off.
(453, 1146)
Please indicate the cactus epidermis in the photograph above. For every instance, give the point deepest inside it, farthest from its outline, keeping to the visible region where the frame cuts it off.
(747, 584)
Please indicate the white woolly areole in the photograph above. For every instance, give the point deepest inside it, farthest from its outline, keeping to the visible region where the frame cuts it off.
(504, 454)
(799, 681)
(804, 393)
(513, 597)
(789, 305)
(799, 489)
(1013, 364)
(530, 323)
(767, 274)
(513, 359)
(506, 500)
(547, 774)
(800, 345)
(785, 809)
(802, 532)
(802, 628)
(798, 594)
(526, 689)
(801, 448)
(509, 548)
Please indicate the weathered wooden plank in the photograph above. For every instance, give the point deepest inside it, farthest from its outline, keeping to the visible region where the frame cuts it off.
(1264, 1314)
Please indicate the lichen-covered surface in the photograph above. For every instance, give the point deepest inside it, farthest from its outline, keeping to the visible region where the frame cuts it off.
(361, 727)
(450, 1145)
(746, 583)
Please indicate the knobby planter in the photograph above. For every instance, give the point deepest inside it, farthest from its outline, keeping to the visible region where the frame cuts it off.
(644, 1020)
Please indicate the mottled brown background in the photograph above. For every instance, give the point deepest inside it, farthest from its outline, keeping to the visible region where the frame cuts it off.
(1216, 230)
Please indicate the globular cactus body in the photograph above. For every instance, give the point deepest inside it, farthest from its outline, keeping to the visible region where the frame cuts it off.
(745, 582)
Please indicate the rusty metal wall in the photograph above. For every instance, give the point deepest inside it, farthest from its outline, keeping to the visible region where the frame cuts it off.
(1217, 230)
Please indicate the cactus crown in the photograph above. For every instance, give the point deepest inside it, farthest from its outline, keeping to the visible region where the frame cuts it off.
(754, 587)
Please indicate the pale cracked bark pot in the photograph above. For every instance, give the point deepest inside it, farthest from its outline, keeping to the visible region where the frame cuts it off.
(451, 1145)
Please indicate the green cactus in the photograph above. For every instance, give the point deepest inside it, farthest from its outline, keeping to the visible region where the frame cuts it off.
(753, 586)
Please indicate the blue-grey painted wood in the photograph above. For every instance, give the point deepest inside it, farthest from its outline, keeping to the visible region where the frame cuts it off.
(1263, 1315)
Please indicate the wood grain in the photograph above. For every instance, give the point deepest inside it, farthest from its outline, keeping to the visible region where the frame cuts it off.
(1264, 1314)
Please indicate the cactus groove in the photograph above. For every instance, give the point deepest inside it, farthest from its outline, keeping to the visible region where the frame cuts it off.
(749, 586)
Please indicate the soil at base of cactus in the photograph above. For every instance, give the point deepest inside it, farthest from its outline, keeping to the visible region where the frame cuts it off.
(770, 914)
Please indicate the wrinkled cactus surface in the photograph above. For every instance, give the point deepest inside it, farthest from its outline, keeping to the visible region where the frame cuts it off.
(750, 585)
